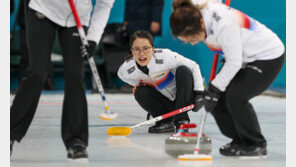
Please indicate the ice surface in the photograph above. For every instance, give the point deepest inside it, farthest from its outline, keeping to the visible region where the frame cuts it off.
(43, 147)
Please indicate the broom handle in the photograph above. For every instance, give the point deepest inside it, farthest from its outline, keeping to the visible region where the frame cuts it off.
(167, 115)
(91, 59)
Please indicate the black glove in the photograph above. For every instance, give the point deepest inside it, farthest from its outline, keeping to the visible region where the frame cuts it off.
(88, 51)
(211, 96)
(198, 100)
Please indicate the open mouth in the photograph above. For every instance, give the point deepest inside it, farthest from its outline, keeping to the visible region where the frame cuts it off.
(142, 59)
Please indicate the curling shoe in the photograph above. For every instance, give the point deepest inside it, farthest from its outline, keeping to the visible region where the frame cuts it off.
(234, 149)
(162, 127)
(77, 152)
(254, 151)
(231, 149)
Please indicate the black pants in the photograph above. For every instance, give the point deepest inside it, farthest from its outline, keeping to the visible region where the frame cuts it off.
(24, 53)
(234, 114)
(24, 61)
(157, 104)
(40, 39)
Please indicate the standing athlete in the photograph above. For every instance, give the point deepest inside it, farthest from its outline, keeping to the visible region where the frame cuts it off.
(253, 55)
(43, 19)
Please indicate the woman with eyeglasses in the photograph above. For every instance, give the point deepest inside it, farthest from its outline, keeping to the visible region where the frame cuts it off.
(163, 81)
(253, 55)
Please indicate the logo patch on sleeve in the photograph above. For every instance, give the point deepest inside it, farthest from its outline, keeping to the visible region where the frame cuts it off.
(216, 17)
(160, 75)
(158, 51)
(159, 61)
(132, 69)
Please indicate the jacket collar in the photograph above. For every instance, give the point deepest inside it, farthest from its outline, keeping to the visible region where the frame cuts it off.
(149, 65)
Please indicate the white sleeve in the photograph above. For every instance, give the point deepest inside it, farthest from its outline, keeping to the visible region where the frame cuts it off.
(120, 74)
(229, 38)
(99, 19)
(177, 60)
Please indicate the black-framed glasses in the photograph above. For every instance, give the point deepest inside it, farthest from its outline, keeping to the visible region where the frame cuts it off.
(137, 50)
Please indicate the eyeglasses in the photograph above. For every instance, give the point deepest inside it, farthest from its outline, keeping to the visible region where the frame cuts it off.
(137, 50)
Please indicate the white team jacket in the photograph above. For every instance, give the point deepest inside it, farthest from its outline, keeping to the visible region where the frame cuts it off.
(59, 12)
(239, 38)
(162, 69)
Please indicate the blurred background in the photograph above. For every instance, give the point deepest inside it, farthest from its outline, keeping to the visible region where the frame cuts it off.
(112, 49)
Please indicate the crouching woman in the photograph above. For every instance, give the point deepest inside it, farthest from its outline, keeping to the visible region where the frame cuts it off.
(163, 81)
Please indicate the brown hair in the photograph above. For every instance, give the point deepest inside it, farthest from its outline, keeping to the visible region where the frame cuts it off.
(186, 18)
(139, 34)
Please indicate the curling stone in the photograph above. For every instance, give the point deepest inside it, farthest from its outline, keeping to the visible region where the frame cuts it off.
(184, 142)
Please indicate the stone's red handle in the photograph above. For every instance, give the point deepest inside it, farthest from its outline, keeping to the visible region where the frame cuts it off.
(187, 126)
